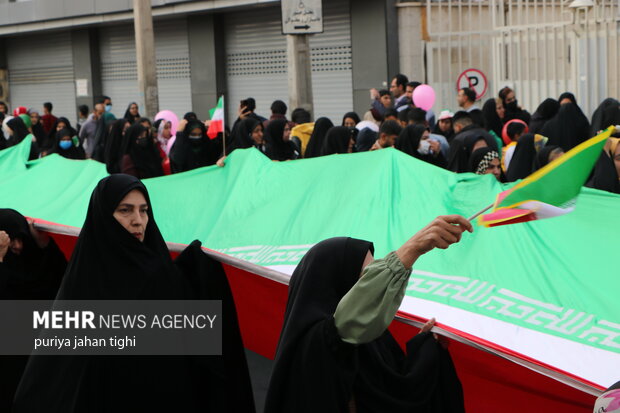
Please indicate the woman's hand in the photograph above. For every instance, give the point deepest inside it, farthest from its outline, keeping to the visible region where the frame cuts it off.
(5, 241)
(440, 339)
(442, 232)
(41, 238)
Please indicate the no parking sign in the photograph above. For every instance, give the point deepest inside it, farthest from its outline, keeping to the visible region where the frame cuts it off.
(473, 79)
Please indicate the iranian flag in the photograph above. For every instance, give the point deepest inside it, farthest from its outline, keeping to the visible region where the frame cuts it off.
(551, 191)
(217, 119)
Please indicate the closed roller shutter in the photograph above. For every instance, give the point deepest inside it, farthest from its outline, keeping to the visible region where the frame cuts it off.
(256, 63)
(119, 67)
(41, 70)
(332, 78)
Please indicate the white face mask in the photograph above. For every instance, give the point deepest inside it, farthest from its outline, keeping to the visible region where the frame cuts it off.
(5, 128)
(425, 147)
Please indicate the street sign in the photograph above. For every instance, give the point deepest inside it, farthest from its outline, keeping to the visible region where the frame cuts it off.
(473, 79)
(302, 16)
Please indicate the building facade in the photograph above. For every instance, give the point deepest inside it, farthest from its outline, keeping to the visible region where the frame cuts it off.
(71, 51)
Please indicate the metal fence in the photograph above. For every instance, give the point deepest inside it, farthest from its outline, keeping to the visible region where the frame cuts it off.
(539, 48)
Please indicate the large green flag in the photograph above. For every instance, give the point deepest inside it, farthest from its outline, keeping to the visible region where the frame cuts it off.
(545, 289)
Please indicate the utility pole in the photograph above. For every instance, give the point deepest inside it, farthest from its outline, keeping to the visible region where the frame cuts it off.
(300, 18)
(145, 55)
(299, 72)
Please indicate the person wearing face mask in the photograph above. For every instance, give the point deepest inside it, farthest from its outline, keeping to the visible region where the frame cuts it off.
(511, 106)
(107, 116)
(107, 103)
(192, 148)
(414, 141)
(68, 145)
(61, 123)
(140, 156)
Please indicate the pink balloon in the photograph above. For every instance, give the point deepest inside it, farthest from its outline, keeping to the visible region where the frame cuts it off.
(424, 97)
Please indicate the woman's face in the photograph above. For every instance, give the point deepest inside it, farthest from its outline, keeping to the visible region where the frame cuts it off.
(499, 108)
(480, 143)
(196, 133)
(65, 138)
(60, 126)
(426, 134)
(257, 134)
(286, 136)
(510, 97)
(132, 214)
(133, 109)
(494, 168)
(445, 125)
(349, 122)
(34, 118)
(167, 132)
(143, 140)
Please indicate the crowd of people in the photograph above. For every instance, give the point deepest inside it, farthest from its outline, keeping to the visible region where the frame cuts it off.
(335, 352)
(499, 138)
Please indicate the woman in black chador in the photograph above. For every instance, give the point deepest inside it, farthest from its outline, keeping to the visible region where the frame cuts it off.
(335, 353)
(31, 268)
(121, 255)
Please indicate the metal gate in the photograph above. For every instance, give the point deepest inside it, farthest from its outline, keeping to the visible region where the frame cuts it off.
(540, 48)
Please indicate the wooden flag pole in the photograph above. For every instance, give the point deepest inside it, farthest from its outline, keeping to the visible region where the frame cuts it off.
(477, 214)
(224, 126)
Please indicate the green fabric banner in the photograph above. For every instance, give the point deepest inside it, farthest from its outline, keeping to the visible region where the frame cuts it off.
(559, 274)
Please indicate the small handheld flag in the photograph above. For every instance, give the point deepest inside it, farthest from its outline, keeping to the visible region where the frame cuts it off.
(217, 119)
(551, 191)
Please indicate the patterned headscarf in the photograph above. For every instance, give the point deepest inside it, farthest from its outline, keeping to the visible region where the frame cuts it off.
(486, 162)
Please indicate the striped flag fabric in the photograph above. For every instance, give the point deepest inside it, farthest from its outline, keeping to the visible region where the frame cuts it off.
(217, 119)
(552, 190)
